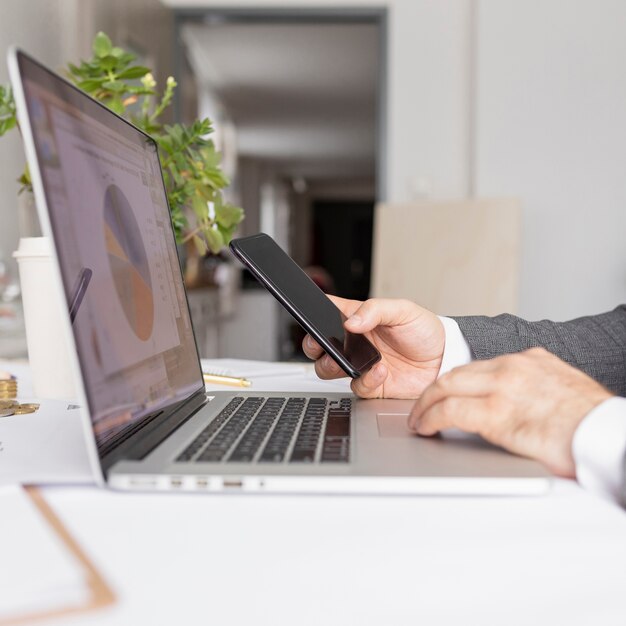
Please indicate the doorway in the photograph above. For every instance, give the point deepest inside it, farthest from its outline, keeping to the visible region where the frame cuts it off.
(298, 99)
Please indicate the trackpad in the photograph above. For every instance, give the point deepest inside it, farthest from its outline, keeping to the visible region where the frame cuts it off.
(393, 425)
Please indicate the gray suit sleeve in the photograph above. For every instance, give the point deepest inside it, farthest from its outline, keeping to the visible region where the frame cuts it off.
(594, 344)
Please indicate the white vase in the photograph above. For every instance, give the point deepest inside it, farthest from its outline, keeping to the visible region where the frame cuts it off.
(45, 321)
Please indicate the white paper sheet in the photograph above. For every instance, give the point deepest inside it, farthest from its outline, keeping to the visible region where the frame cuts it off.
(244, 368)
(45, 447)
(38, 573)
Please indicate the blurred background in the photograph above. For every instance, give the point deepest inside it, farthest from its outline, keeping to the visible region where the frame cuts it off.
(467, 154)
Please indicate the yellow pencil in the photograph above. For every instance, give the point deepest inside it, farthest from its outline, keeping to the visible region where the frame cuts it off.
(233, 381)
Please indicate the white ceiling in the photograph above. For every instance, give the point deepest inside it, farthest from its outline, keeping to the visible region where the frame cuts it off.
(301, 94)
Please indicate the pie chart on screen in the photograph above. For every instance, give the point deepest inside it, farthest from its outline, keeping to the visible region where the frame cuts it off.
(128, 262)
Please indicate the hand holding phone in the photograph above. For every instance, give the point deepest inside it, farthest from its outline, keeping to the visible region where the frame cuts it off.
(306, 302)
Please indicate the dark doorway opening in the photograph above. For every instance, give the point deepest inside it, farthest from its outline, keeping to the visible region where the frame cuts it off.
(342, 244)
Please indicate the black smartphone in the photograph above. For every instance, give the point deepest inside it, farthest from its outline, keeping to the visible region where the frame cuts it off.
(306, 302)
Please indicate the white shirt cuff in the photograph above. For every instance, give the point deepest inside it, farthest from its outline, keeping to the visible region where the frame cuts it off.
(599, 446)
(456, 351)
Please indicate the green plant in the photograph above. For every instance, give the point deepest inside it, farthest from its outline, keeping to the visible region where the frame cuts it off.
(190, 162)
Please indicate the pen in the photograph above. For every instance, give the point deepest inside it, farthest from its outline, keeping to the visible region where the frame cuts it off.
(226, 380)
(79, 291)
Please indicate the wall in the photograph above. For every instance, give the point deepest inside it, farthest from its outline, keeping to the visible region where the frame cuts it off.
(44, 33)
(548, 123)
(427, 117)
(56, 31)
(551, 129)
(428, 113)
(537, 110)
(428, 120)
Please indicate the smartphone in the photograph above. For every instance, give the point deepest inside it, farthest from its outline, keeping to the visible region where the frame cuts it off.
(306, 302)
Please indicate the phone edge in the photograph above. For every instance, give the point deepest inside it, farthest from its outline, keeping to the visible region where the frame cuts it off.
(308, 327)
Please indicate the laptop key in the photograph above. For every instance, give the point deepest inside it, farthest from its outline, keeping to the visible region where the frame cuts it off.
(214, 425)
(305, 447)
(336, 445)
(321, 430)
(254, 436)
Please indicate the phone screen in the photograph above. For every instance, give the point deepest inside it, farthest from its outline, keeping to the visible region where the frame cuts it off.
(308, 304)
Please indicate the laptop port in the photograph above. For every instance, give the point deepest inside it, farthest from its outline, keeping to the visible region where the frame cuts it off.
(232, 484)
(176, 482)
(143, 483)
(202, 483)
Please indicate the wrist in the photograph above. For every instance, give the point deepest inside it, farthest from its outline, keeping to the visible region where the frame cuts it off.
(587, 404)
(455, 350)
(599, 447)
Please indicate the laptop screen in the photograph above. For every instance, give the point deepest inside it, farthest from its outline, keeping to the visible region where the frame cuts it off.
(117, 253)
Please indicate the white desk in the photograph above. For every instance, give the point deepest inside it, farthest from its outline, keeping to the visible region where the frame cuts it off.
(180, 559)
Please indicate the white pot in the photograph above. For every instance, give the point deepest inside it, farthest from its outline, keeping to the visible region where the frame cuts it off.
(45, 321)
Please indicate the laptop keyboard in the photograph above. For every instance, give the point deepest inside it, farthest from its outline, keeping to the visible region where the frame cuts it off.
(275, 430)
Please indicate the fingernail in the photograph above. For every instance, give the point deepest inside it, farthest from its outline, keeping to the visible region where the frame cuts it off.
(355, 320)
(309, 342)
(414, 423)
(328, 363)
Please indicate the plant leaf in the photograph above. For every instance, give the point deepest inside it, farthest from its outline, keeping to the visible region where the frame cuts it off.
(228, 215)
(91, 84)
(109, 63)
(200, 207)
(214, 239)
(77, 71)
(115, 104)
(137, 71)
(102, 45)
(191, 165)
(227, 233)
(126, 58)
(7, 125)
(200, 244)
(114, 85)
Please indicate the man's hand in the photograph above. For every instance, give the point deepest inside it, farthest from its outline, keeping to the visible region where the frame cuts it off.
(529, 403)
(410, 339)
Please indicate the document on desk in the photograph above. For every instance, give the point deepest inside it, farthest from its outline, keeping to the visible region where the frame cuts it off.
(38, 573)
(45, 447)
(246, 368)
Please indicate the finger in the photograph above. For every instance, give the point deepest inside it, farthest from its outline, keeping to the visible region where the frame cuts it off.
(370, 385)
(381, 312)
(468, 414)
(311, 348)
(347, 307)
(464, 382)
(327, 369)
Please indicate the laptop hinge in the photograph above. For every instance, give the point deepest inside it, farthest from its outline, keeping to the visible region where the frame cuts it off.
(145, 439)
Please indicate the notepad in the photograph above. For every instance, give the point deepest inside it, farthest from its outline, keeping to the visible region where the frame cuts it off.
(245, 368)
(38, 573)
(43, 572)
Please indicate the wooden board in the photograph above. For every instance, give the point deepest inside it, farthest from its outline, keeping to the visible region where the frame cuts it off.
(452, 257)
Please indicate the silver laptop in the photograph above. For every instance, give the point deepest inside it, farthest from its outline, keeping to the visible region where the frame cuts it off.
(149, 424)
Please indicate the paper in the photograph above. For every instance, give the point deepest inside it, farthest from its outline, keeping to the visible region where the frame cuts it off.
(45, 447)
(251, 369)
(38, 573)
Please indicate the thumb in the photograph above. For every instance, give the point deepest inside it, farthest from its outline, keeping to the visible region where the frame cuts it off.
(382, 312)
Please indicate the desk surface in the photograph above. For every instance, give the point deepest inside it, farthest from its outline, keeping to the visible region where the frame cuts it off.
(242, 559)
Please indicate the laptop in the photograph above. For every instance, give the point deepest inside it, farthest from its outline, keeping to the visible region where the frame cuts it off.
(149, 423)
